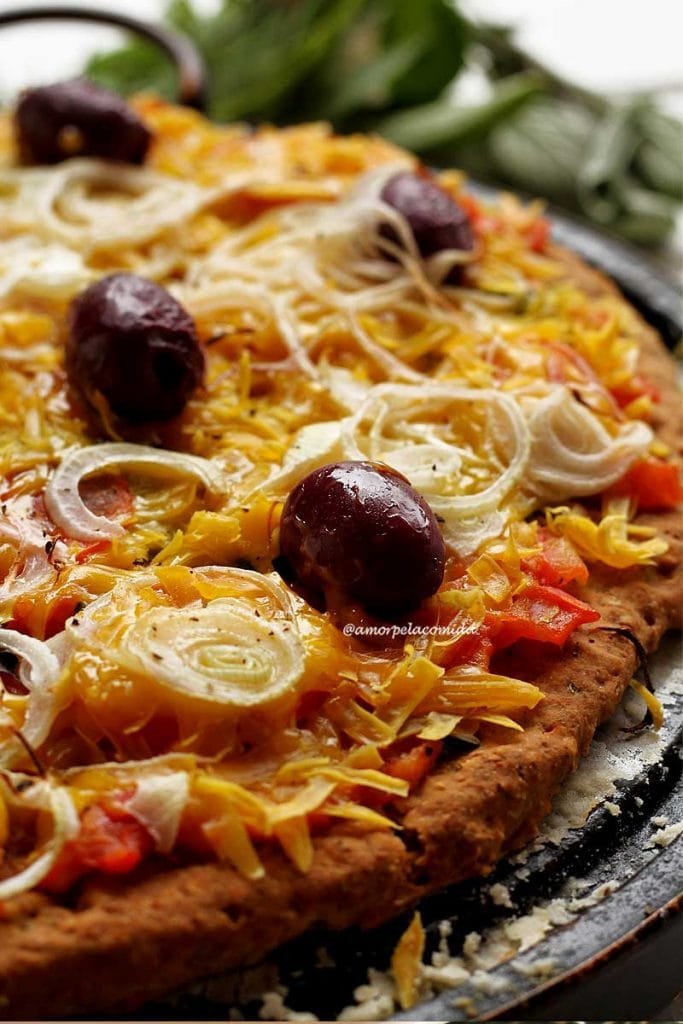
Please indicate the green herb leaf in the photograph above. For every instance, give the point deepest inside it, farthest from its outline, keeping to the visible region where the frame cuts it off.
(140, 67)
(612, 146)
(642, 216)
(446, 36)
(659, 159)
(540, 148)
(434, 126)
(371, 87)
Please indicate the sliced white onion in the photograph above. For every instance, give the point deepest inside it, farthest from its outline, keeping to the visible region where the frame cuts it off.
(68, 510)
(95, 204)
(347, 391)
(572, 454)
(29, 266)
(402, 425)
(134, 770)
(399, 424)
(313, 446)
(66, 824)
(158, 803)
(225, 653)
(329, 258)
(31, 567)
(224, 295)
(39, 673)
(369, 185)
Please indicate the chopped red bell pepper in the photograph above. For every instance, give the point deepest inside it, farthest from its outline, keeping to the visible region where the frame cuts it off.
(653, 484)
(110, 840)
(540, 613)
(557, 563)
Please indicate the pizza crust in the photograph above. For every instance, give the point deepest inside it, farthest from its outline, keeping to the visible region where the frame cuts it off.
(122, 941)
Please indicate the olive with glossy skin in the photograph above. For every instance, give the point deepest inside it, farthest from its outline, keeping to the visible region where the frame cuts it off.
(435, 219)
(132, 342)
(358, 531)
(78, 118)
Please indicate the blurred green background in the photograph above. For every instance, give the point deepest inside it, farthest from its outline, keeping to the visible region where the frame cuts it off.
(393, 66)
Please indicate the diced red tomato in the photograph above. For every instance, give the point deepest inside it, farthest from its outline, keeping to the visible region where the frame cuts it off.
(473, 648)
(412, 765)
(540, 613)
(652, 484)
(110, 840)
(557, 563)
(539, 234)
(635, 388)
(107, 495)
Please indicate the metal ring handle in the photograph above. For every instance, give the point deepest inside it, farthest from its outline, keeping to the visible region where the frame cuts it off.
(182, 51)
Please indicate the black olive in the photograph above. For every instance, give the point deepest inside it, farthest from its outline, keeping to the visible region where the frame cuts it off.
(78, 118)
(435, 219)
(359, 531)
(133, 343)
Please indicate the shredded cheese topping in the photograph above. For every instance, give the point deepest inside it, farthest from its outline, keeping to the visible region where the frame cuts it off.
(208, 701)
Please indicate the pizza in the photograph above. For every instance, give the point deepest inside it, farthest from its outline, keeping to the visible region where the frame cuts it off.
(337, 510)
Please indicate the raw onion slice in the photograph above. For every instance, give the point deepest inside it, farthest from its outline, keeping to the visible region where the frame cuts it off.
(68, 510)
(29, 266)
(56, 800)
(403, 425)
(313, 446)
(158, 803)
(39, 674)
(572, 454)
(32, 563)
(91, 205)
(225, 653)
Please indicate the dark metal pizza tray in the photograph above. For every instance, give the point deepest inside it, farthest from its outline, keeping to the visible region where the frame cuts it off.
(619, 959)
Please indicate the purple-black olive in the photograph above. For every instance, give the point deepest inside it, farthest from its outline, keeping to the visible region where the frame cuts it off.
(78, 118)
(134, 344)
(435, 219)
(358, 531)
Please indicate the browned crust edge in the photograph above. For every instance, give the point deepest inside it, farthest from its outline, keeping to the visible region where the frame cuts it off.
(133, 939)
